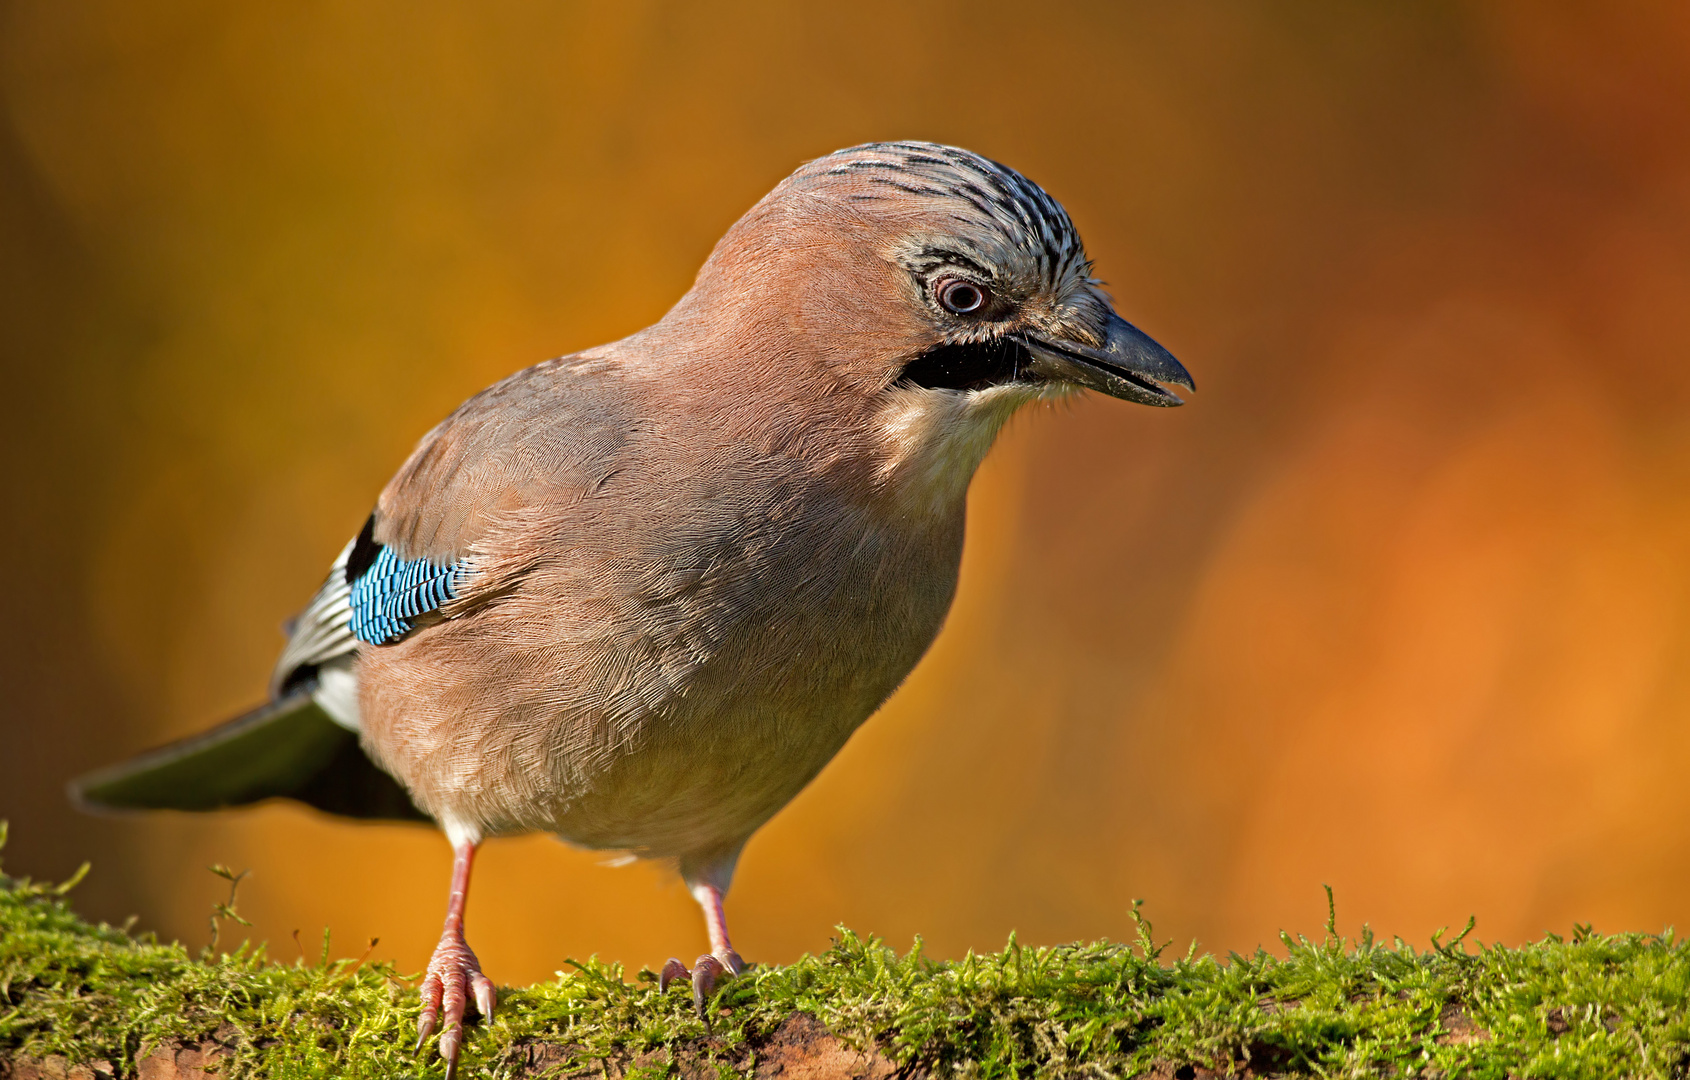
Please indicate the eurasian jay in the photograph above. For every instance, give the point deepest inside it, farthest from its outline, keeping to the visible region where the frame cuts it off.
(639, 596)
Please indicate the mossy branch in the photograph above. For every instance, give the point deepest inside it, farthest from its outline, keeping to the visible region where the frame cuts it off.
(1594, 1005)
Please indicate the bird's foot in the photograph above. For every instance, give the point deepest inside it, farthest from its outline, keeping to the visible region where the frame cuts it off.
(707, 971)
(453, 974)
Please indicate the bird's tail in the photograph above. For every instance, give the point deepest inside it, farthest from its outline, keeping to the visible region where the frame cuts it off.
(288, 748)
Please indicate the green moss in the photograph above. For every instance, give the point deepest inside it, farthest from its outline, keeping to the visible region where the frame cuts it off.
(1592, 1005)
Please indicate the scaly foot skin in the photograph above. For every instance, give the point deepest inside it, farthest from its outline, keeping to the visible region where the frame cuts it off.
(707, 971)
(453, 973)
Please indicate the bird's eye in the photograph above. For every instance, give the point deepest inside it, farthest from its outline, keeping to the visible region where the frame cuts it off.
(961, 297)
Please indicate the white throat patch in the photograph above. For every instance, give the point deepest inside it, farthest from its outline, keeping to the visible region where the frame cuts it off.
(934, 439)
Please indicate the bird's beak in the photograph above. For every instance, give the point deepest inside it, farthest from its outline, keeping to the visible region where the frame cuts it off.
(1129, 365)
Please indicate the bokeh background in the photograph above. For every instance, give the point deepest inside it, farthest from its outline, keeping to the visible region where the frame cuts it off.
(1399, 603)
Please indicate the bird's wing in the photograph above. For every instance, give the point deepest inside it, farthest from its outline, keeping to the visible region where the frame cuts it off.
(319, 634)
(372, 596)
(531, 443)
(517, 451)
(511, 463)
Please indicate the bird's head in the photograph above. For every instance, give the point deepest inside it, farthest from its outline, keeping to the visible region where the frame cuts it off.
(941, 287)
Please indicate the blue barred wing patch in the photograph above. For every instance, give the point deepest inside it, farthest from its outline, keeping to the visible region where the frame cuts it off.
(393, 592)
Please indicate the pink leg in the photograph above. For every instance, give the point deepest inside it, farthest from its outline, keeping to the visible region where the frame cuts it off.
(453, 970)
(716, 924)
(721, 960)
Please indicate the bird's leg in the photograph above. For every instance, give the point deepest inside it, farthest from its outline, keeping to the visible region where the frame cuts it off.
(453, 971)
(721, 960)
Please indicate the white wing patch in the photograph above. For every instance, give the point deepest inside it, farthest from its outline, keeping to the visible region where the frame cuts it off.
(337, 692)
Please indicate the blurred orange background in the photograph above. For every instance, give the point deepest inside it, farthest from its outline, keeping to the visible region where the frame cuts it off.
(1397, 603)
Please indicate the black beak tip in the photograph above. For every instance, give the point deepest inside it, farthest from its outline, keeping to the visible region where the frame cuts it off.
(1149, 359)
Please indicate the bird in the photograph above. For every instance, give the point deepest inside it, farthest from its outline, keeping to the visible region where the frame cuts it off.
(639, 596)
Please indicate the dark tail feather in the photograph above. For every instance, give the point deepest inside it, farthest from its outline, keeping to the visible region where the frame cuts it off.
(288, 749)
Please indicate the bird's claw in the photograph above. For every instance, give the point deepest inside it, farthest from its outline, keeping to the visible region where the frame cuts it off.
(453, 975)
(673, 970)
(707, 971)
